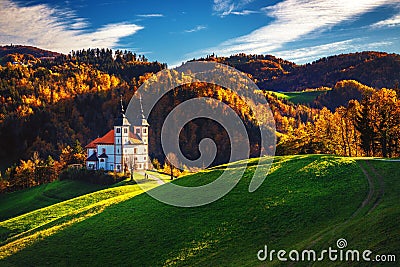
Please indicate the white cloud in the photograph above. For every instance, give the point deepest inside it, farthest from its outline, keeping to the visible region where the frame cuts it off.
(391, 22)
(156, 15)
(292, 20)
(56, 29)
(244, 12)
(226, 7)
(311, 53)
(196, 29)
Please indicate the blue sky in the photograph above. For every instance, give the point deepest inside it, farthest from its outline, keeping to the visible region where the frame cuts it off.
(174, 31)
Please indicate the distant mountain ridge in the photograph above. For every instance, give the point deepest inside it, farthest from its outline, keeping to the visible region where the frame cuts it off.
(375, 69)
(261, 67)
(26, 50)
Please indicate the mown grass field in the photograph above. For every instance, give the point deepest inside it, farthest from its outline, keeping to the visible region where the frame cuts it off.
(305, 202)
(303, 97)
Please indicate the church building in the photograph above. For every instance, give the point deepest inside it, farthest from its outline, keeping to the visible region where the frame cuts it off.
(122, 149)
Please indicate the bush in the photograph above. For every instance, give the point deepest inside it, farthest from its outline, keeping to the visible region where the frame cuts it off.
(90, 176)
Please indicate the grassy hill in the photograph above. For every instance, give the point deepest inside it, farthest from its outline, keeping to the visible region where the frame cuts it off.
(305, 202)
(24, 201)
(300, 97)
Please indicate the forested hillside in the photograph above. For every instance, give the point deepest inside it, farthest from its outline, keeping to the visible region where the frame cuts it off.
(52, 105)
(375, 69)
(26, 50)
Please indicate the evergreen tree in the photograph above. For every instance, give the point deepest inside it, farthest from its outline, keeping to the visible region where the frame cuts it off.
(364, 126)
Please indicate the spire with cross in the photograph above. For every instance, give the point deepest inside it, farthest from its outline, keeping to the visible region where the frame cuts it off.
(144, 121)
(122, 119)
(122, 105)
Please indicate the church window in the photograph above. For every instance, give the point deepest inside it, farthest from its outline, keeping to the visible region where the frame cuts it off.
(144, 130)
(118, 130)
(125, 130)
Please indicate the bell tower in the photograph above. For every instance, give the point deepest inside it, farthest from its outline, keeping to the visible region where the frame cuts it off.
(142, 130)
(121, 138)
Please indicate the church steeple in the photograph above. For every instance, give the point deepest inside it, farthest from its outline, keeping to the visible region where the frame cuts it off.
(122, 120)
(144, 121)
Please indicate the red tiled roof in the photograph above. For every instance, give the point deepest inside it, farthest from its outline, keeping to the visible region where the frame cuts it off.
(107, 139)
(92, 144)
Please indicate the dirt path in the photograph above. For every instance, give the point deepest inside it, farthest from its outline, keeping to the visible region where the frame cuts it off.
(375, 194)
(370, 195)
(158, 180)
(381, 182)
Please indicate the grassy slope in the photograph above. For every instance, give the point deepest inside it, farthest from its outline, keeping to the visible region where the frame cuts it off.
(16, 203)
(301, 201)
(306, 97)
(377, 227)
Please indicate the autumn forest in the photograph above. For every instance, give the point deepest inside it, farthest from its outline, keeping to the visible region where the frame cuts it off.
(52, 105)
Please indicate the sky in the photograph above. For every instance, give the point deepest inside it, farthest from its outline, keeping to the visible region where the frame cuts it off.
(172, 31)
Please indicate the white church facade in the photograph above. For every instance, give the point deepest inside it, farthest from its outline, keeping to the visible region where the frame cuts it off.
(122, 149)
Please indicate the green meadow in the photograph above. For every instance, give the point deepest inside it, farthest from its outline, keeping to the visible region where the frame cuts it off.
(306, 202)
(302, 97)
